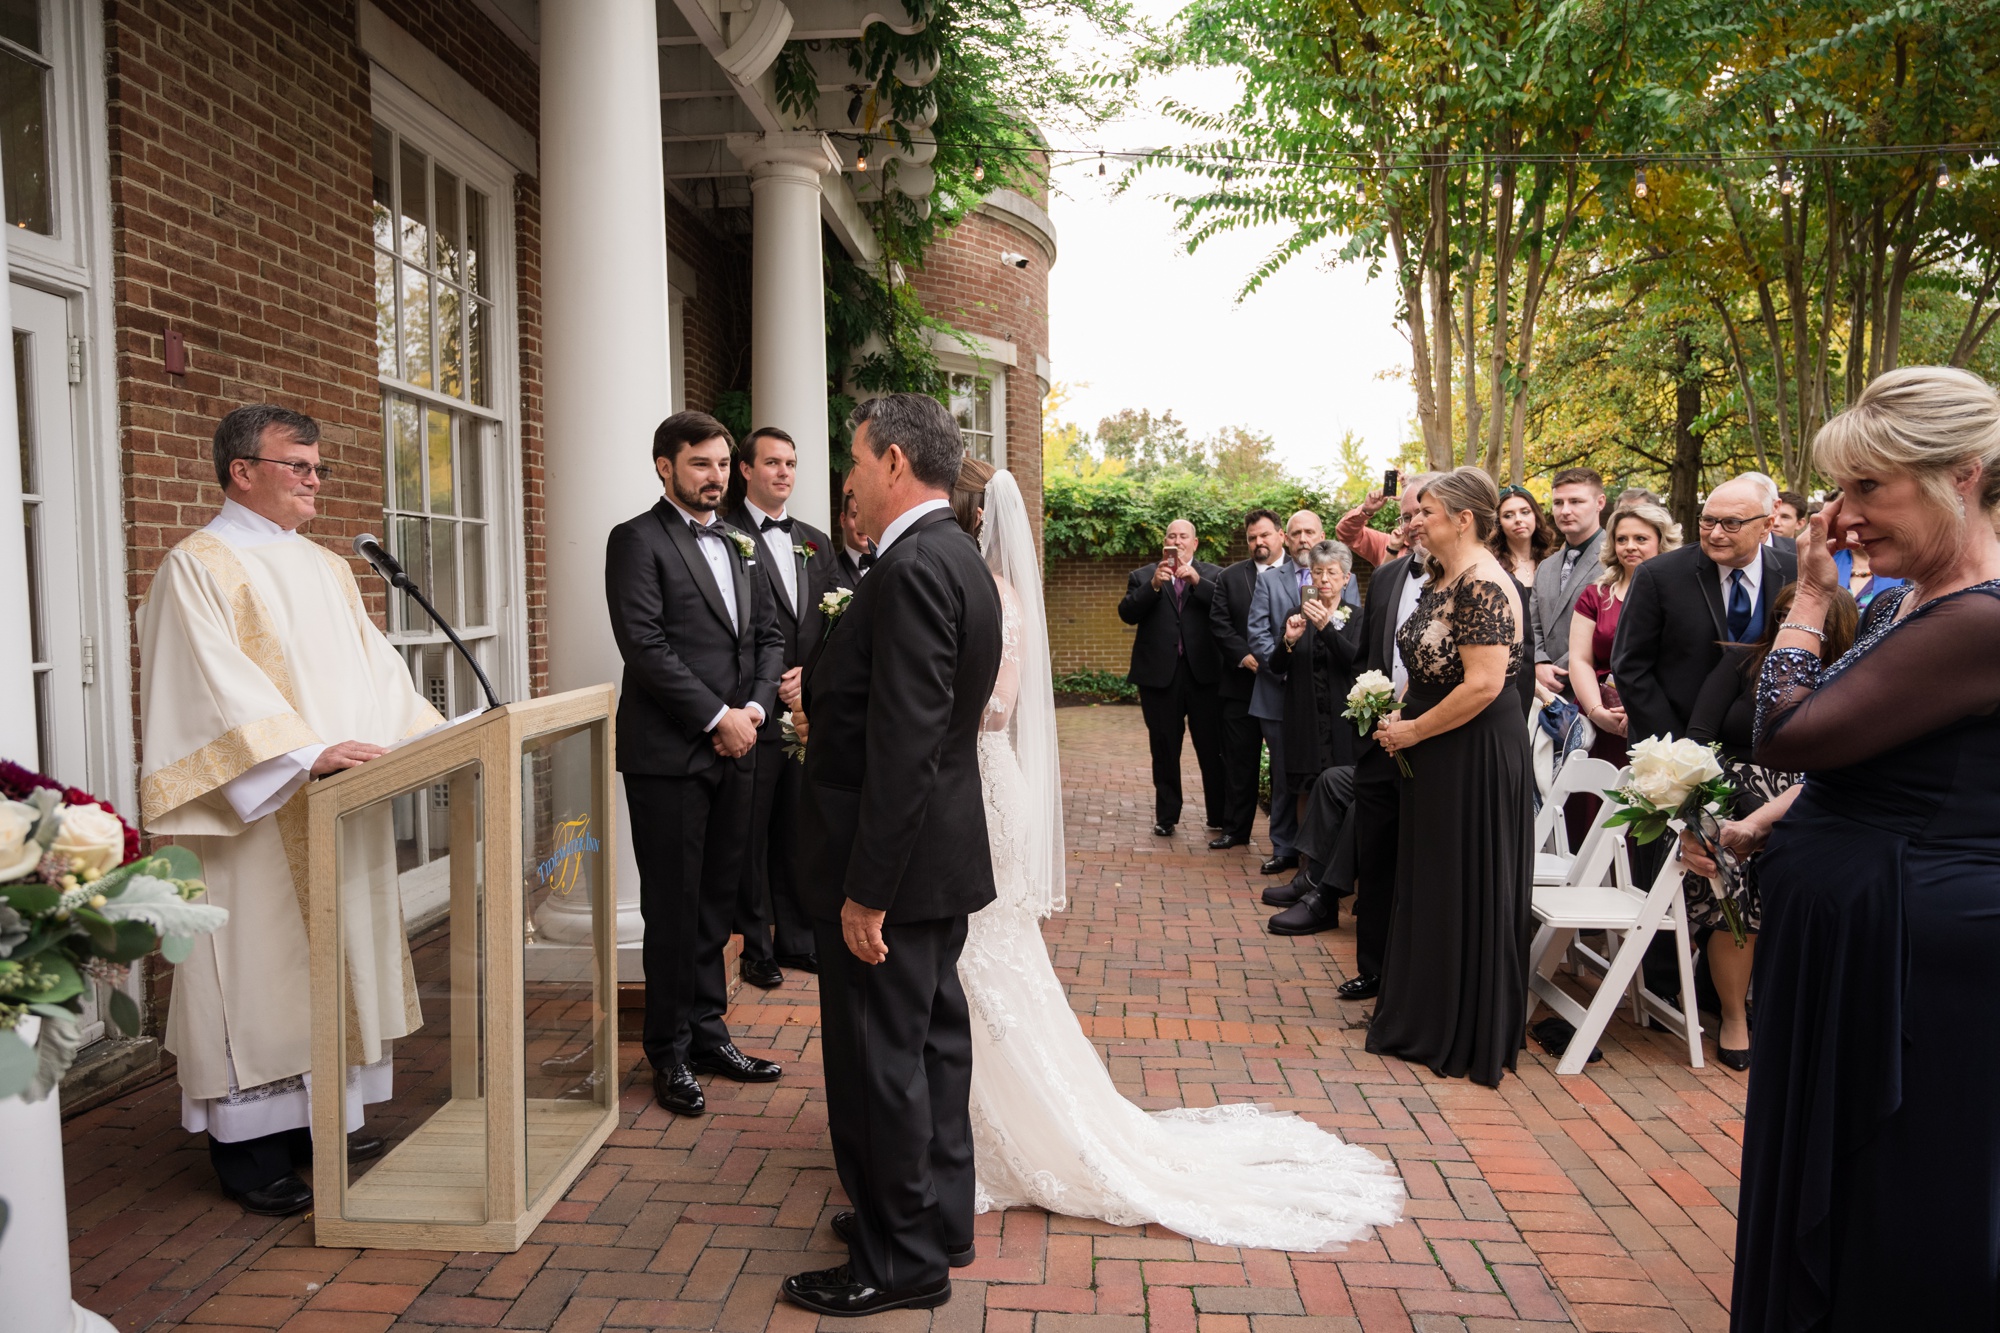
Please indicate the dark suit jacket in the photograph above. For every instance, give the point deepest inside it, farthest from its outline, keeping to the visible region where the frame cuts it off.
(893, 815)
(683, 660)
(1161, 628)
(799, 621)
(846, 574)
(1229, 623)
(1378, 640)
(1670, 635)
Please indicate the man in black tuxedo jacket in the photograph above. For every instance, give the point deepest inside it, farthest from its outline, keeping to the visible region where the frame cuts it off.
(895, 858)
(796, 560)
(857, 548)
(1229, 621)
(1176, 666)
(1682, 607)
(697, 626)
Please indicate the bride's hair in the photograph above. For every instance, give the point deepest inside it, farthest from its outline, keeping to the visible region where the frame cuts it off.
(968, 494)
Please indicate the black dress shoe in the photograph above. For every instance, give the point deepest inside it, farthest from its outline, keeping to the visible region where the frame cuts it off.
(1278, 865)
(362, 1148)
(833, 1291)
(677, 1090)
(1225, 842)
(1360, 988)
(843, 1227)
(1736, 1060)
(731, 1063)
(1317, 911)
(1284, 895)
(281, 1198)
(763, 973)
(1163, 830)
(801, 962)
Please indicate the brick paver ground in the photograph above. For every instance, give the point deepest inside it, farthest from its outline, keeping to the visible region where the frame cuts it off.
(1604, 1201)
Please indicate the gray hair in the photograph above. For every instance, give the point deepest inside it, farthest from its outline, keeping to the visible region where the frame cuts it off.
(925, 429)
(241, 434)
(1331, 552)
(1764, 487)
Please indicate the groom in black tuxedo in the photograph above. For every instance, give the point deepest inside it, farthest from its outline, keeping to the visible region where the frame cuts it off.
(895, 858)
(697, 626)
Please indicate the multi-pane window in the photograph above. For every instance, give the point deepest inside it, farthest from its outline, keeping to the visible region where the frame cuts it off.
(25, 117)
(972, 404)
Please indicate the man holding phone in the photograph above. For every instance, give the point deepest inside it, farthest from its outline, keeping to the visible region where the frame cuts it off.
(1176, 666)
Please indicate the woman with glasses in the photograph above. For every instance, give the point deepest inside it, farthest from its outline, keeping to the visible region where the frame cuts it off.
(1317, 657)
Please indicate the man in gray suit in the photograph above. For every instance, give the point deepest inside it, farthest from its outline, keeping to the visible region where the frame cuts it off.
(1576, 502)
(1273, 601)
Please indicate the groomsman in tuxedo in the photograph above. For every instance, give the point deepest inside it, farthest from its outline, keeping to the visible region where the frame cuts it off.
(857, 548)
(1175, 665)
(696, 623)
(797, 562)
(1576, 504)
(1229, 618)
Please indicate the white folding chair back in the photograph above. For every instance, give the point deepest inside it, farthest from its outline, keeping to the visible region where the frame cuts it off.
(1604, 900)
(1580, 775)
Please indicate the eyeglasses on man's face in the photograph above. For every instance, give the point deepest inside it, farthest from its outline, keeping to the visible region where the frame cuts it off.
(299, 469)
(1732, 526)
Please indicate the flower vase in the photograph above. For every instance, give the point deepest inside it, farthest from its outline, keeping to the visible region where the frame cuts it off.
(34, 1251)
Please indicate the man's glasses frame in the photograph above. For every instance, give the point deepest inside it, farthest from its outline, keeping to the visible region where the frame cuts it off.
(301, 470)
(1732, 526)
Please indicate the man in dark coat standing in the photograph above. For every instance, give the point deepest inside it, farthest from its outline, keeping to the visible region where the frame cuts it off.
(895, 858)
(697, 626)
(1176, 666)
(1229, 620)
(797, 561)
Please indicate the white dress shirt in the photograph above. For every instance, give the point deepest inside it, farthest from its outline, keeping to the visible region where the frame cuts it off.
(1406, 605)
(779, 544)
(1753, 580)
(716, 553)
(903, 522)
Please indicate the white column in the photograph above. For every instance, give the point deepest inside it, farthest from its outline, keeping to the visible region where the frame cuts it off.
(788, 301)
(604, 334)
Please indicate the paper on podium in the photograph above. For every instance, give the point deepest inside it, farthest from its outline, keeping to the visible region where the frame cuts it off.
(432, 731)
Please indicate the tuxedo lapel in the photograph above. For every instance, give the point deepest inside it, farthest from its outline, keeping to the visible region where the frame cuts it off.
(683, 540)
(1393, 574)
(740, 569)
(1708, 574)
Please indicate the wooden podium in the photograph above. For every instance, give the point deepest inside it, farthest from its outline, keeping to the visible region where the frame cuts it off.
(503, 1078)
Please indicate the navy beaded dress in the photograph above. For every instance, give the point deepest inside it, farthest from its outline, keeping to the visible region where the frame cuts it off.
(1871, 1153)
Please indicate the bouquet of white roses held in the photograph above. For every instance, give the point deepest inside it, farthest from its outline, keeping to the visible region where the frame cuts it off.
(1370, 700)
(79, 904)
(788, 732)
(833, 604)
(1682, 780)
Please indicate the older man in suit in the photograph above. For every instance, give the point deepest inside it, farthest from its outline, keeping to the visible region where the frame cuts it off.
(1278, 596)
(1175, 665)
(1576, 504)
(1229, 615)
(697, 625)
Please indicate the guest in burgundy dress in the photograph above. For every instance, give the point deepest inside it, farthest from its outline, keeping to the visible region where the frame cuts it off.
(1637, 534)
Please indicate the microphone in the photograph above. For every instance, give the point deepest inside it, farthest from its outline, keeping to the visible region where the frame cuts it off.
(369, 547)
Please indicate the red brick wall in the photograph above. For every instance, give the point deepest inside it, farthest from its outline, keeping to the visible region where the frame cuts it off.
(1085, 633)
(715, 325)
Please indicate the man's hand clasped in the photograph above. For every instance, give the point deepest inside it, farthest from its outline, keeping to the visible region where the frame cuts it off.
(735, 733)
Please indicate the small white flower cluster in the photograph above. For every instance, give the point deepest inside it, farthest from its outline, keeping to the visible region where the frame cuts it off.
(835, 602)
(1340, 617)
(1369, 687)
(1665, 771)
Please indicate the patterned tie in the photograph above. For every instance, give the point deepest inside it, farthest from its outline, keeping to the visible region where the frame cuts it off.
(1739, 607)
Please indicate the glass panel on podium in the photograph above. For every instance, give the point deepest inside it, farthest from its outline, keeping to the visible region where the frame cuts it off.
(565, 895)
(410, 1028)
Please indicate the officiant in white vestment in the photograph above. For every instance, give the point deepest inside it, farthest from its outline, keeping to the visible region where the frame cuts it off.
(260, 669)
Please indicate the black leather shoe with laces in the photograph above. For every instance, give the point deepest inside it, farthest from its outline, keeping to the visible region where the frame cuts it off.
(1225, 842)
(763, 973)
(833, 1291)
(677, 1090)
(731, 1063)
(843, 1227)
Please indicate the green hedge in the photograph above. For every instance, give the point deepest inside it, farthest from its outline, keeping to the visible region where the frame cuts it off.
(1124, 515)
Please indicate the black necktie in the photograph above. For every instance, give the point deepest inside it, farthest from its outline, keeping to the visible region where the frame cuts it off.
(770, 523)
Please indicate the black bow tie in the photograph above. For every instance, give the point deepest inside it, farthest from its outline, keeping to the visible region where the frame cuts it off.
(770, 523)
(866, 559)
(707, 530)
(1417, 569)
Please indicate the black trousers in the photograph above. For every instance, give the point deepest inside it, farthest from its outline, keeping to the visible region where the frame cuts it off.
(1376, 820)
(689, 836)
(897, 1042)
(1167, 709)
(767, 894)
(251, 1164)
(1242, 744)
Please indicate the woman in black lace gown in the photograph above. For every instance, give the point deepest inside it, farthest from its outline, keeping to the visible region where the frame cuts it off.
(1455, 977)
(1871, 1152)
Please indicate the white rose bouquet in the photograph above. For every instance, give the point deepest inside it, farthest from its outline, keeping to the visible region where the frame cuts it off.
(1681, 780)
(1371, 699)
(78, 905)
(788, 732)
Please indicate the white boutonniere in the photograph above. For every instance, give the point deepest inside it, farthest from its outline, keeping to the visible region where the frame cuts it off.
(745, 545)
(1341, 614)
(834, 604)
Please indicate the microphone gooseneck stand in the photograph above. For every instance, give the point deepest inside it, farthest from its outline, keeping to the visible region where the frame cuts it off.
(370, 548)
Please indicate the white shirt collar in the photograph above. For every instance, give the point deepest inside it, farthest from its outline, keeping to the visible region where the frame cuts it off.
(1753, 576)
(1272, 563)
(903, 522)
(244, 528)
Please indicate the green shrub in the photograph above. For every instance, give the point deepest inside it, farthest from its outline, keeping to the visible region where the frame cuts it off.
(1122, 514)
(1105, 684)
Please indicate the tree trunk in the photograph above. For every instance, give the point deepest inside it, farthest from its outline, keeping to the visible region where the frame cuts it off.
(1684, 477)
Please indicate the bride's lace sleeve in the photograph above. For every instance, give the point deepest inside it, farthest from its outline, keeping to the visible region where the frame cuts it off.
(1007, 686)
(1902, 681)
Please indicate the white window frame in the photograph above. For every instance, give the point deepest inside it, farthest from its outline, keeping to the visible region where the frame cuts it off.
(393, 104)
(962, 353)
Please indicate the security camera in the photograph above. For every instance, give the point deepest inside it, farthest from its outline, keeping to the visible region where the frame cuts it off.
(1012, 260)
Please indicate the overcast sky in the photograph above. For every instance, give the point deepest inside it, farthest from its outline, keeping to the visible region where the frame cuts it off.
(1135, 321)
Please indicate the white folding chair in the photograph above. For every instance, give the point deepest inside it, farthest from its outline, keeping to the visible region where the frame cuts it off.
(1579, 774)
(1630, 918)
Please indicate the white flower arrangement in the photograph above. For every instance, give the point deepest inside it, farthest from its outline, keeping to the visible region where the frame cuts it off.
(1372, 698)
(1681, 780)
(788, 732)
(745, 545)
(834, 603)
(1341, 615)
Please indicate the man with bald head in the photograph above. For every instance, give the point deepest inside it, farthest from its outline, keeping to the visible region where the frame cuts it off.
(1684, 605)
(1177, 668)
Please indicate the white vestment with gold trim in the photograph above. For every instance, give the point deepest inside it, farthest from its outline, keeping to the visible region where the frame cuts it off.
(255, 654)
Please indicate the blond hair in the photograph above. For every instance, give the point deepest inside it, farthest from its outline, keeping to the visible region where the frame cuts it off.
(1926, 421)
(1653, 516)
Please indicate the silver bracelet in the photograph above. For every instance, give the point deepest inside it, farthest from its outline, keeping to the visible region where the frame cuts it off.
(1819, 634)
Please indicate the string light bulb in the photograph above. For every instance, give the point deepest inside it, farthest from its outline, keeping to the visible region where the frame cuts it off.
(978, 169)
(1639, 183)
(1943, 175)
(1100, 164)
(861, 158)
(1785, 184)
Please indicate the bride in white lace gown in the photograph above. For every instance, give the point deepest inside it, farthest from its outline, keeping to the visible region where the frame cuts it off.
(1049, 1127)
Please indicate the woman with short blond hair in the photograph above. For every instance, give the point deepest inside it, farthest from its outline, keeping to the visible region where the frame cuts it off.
(1871, 1154)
